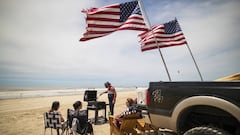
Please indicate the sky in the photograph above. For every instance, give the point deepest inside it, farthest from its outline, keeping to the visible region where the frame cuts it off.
(39, 44)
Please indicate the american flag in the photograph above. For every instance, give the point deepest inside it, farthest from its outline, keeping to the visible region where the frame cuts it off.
(164, 35)
(105, 20)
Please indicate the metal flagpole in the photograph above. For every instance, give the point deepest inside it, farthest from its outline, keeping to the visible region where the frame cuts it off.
(149, 26)
(193, 59)
(194, 62)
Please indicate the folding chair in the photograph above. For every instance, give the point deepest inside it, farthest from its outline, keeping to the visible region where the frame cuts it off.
(78, 122)
(128, 124)
(53, 121)
(145, 127)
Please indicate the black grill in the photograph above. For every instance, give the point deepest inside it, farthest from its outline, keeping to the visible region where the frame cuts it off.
(91, 97)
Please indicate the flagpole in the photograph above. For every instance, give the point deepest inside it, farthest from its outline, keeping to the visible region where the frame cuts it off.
(145, 18)
(149, 27)
(194, 62)
(193, 59)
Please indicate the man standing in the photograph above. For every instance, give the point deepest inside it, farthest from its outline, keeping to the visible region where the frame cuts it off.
(111, 96)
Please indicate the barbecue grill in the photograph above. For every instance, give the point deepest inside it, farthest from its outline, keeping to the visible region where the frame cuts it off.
(90, 96)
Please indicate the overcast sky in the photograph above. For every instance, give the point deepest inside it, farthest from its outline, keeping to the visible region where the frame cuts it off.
(39, 44)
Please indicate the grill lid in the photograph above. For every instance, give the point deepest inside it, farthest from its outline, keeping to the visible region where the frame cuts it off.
(90, 95)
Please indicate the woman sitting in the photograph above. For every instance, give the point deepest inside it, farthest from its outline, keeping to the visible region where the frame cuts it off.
(55, 109)
(130, 109)
(82, 124)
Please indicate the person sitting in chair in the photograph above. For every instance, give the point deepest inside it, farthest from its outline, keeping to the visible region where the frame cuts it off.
(130, 109)
(55, 109)
(83, 126)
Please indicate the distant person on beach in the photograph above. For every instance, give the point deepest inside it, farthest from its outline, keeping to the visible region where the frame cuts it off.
(111, 96)
(55, 109)
(84, 126)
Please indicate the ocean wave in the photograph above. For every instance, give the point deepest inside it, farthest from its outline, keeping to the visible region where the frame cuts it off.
(17, 93)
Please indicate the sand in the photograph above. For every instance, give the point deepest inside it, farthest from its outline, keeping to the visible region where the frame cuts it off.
(25, 116)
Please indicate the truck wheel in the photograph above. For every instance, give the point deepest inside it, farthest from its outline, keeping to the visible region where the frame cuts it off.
(206, 131)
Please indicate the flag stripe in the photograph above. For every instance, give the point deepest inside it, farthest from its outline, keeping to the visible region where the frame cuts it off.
(163, 43)
(101, 20)
(162, 36)
(110, 16)
(105, 20)
(105, 23)
(165, 39)
(101, 26)
(102, 9)
(160, 46)
(110, 12)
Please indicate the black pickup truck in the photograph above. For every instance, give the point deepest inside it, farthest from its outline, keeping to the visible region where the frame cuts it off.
(195, 108)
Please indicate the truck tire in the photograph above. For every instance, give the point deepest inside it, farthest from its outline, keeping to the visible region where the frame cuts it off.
(204, 130)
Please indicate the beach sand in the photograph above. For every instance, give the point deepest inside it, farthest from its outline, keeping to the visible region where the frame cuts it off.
(25, 116)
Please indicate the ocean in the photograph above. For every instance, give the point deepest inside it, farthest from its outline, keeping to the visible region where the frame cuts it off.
(26, 93)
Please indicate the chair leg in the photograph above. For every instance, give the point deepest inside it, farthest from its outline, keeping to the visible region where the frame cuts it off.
(111, 132)
(45, 131)
(63, 130)
(58, 132)
(67, 131)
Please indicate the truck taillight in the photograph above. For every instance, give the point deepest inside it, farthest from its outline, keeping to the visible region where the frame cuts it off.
(147, 98)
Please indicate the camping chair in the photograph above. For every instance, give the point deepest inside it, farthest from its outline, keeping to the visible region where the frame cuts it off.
(53, 121)
(145, 127)
(70, 114)
(78, 122)
(128, 124)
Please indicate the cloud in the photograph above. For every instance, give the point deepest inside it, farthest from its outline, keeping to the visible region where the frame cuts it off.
(39, 44)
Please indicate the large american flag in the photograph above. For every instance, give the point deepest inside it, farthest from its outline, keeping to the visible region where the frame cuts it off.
(164, 35)
(105, 20)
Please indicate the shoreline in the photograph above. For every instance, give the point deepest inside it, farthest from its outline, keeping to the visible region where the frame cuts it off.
(19, 94)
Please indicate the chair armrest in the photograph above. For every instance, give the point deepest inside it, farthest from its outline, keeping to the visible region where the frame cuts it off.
(112, 121)
(111, 116)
